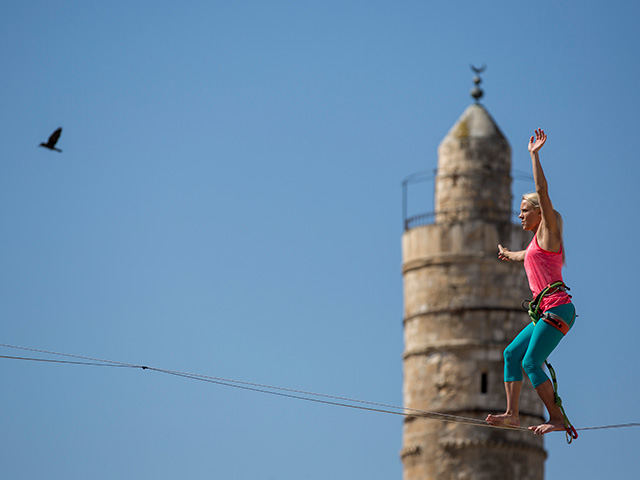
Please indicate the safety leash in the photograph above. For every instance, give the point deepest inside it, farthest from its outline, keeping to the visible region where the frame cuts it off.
(558, 323)
(570, 431)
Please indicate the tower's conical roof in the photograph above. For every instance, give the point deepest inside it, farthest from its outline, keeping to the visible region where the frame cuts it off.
(474, 163)
(475, 123)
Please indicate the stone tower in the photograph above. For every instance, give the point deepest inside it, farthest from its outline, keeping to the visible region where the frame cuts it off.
(462, 306)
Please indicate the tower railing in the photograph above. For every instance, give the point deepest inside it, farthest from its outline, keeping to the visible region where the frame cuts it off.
(427, 217)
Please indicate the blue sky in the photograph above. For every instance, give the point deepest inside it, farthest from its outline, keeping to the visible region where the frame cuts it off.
(228, 203)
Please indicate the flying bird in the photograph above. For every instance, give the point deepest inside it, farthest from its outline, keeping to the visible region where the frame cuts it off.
(53, 139)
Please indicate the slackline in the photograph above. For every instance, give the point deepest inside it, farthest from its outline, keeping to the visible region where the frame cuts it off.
(282, 391)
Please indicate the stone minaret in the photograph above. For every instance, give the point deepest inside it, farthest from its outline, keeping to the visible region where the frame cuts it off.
(462, 306)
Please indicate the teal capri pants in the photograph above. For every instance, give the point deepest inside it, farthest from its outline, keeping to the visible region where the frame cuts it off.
(533, 345)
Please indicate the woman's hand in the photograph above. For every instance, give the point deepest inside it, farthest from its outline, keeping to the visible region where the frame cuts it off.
(507, 255)
(536, 143)
(503, 253)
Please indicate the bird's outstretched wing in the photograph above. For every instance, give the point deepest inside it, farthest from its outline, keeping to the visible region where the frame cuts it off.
(53, 139)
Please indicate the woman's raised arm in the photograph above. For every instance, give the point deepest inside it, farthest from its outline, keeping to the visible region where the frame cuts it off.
(548, 234)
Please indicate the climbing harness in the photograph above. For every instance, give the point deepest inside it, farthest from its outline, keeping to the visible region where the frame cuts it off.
(534, 307)
(558, 323)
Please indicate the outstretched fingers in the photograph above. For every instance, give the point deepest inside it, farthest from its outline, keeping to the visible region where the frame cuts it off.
(537, 141)
(540, 135)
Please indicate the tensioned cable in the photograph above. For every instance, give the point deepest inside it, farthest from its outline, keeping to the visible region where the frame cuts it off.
(48, 360)
(285, 392)
(269, 389)
(603, 427)
(279, 391)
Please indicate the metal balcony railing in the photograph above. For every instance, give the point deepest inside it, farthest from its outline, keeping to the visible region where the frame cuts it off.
(425, 218)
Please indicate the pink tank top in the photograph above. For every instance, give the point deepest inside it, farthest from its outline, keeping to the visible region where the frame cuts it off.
(543, 268)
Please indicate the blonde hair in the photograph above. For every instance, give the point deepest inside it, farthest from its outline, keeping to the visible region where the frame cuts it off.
(533, 199)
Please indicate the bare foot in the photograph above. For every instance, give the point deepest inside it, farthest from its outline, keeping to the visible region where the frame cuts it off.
(503, 419)
(550, 426)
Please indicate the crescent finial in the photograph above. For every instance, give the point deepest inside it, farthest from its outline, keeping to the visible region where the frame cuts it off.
(476, 92)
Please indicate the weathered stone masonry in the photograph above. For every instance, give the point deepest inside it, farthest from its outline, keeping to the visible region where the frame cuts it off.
(462, 307)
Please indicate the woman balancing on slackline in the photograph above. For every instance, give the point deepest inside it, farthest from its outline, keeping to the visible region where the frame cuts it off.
(543, 260)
